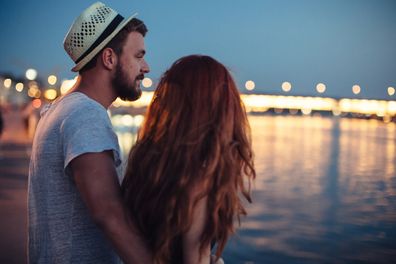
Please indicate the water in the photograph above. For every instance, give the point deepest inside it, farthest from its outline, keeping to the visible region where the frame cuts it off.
(325, 192)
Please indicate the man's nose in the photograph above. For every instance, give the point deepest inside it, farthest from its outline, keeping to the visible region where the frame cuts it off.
(145, 67)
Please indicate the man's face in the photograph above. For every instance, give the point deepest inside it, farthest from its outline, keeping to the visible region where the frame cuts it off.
(131, 68)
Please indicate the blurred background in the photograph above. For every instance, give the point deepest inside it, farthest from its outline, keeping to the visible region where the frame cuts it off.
(318, 79)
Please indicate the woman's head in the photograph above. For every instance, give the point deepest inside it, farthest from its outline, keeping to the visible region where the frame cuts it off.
(195, 137)
(197, 93)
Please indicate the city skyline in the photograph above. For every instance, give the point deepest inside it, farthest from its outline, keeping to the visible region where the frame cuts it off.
(336, 44)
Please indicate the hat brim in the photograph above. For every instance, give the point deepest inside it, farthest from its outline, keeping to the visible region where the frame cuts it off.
(95, 51)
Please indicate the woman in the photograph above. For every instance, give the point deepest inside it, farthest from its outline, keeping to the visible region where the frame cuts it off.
(191, 161)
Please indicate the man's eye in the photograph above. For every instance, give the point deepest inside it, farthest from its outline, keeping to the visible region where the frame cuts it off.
(140, 55)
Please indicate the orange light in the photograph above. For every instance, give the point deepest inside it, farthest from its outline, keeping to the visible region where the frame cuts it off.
(36, 103)
(356, 89)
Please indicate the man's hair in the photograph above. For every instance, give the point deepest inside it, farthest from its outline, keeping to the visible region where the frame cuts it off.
(117, 43)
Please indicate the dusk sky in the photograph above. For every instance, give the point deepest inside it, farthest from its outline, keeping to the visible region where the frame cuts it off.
(336, 42)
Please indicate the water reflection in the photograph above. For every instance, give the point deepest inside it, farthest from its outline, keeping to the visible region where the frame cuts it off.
(325, 192)
(126, 140)
(126, 127)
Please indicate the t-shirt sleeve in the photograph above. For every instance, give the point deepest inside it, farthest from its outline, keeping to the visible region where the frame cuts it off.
(88, 130)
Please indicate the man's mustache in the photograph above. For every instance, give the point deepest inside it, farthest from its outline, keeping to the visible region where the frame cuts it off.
(140, 77)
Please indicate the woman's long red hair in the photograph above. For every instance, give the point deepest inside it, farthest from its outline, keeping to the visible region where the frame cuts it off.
(195, 137)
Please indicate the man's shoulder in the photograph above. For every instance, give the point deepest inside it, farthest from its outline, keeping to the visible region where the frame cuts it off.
(80, 106)
(79, 101)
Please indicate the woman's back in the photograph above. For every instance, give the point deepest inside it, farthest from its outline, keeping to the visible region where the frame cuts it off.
(187, 169)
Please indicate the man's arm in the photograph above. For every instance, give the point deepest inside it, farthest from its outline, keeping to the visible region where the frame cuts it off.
(96, 179)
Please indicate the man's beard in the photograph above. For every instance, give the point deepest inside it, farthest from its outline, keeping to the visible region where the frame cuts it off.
(126, 91)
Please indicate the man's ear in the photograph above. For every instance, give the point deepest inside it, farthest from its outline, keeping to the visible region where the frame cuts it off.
(109, 58)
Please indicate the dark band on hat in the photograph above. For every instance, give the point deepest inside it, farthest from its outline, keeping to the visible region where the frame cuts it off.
(109, 29)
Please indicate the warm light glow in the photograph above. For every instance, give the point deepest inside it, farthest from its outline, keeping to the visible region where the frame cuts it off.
(261, 103)
(306, 111)
(336, 112)
(391, 91)
(127, 120)
(392, 108)
(321, 88)
(34, 91)
(19, 87)
(387, 119)
(356, 89)
(7, 83)
(38, 94)
(117, 103)
(138, 120)
(50, 94)
(278, 110)
(143, 101)
(286, 86)
(36, 103)
(249, 85)
(293, 105)
(52, 79)
(31, 74)
(147, 82)
(67, 85)
(116, 120)
(369, 107)
(33, 84)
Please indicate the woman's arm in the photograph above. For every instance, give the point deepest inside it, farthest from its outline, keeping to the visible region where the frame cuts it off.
(191, 239)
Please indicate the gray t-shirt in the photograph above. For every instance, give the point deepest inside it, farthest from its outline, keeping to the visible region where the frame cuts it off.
(60, 227)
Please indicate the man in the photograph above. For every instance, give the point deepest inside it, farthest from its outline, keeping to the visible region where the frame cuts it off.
(76, 214)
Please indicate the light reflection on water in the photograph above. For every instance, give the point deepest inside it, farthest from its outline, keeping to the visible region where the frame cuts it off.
(325, 192)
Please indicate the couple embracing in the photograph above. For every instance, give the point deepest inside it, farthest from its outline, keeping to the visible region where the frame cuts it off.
(181, 191)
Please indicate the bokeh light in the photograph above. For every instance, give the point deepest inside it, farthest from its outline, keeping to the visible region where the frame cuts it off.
(249, 85)
(306, 111)
(31, 74)
(34, 91)
(7, 83)
(52, 79)
(321, 87)
(36, 103)
(139, 120)
(286, 86)
(356, 89)
(19, 87)
(67, 85)
(127, 120)
(50, 94)
(391, 91)
(147, 82)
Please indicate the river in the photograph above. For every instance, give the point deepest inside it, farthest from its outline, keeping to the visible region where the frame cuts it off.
(325, 192)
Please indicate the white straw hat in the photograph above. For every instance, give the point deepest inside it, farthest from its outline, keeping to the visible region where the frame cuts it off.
(91, 32)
